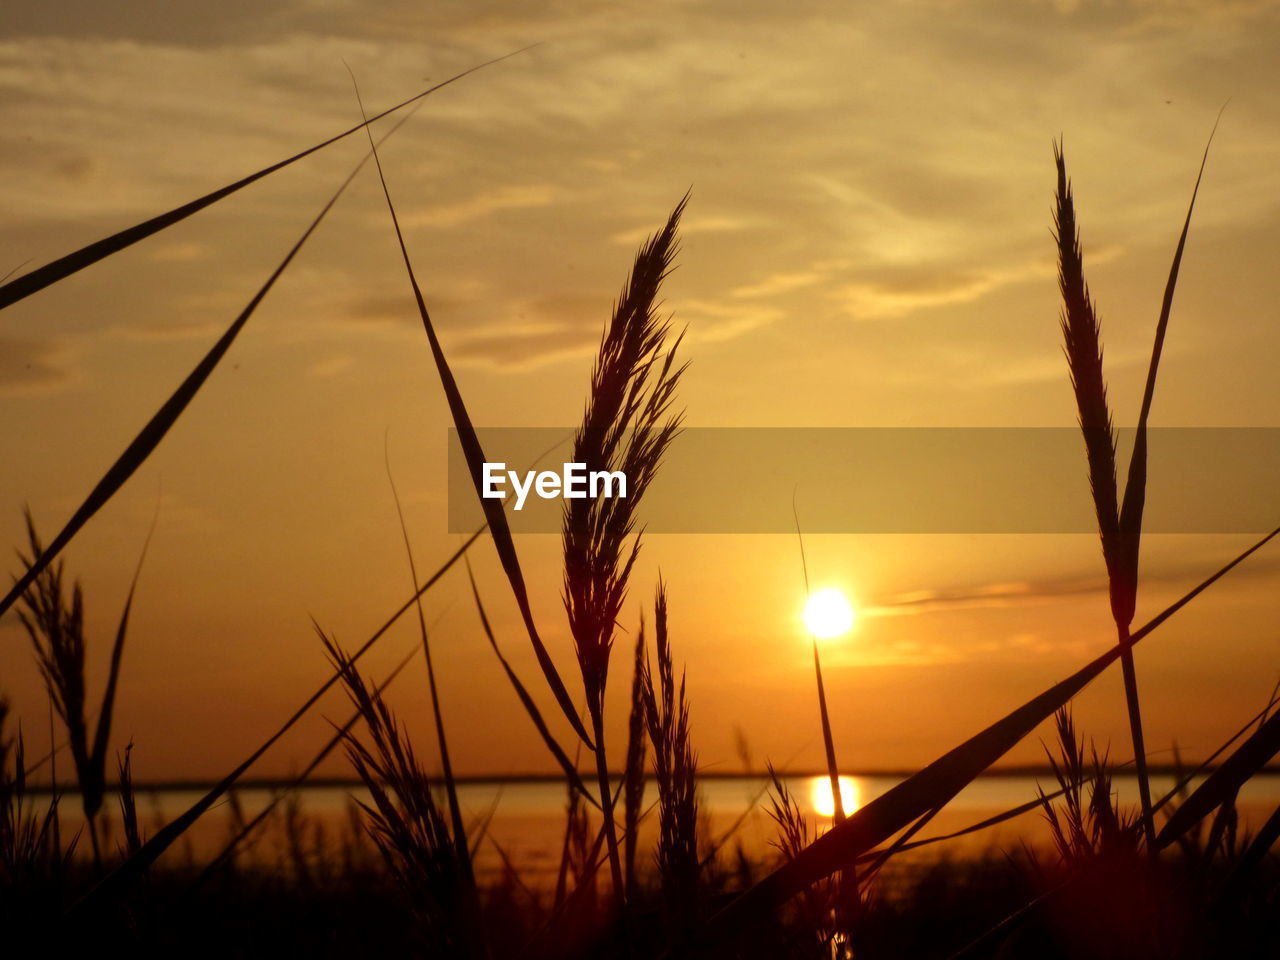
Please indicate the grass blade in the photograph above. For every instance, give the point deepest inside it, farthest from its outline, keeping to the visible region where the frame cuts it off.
(1130, 519)
(1256, 852)
(1181, 783)
(158, 426)
(29, 283)
(446, 765)
(102, 735)
(633, 771)
(1135, 486)
(1223, 784)
(493, 511)
(567, 765)
(828, 742)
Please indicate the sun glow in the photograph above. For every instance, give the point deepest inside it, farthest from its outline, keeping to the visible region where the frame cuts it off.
(828, 614)
(822, 801)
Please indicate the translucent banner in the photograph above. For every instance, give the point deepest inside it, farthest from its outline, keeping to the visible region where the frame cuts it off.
(883, 480)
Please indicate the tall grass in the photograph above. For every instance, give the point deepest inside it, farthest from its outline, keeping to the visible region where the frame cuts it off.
(938, 783)
(243, 827)
(1120, 526)
(1083, 826)
(1084, 356)
(495, 518)
(30, 853)
(415, 820)
(815, 904)
(627, 426)
(417, 840)
(437, 715)
(675, 769)
(526, 699)
(54, 622)
(828, 741)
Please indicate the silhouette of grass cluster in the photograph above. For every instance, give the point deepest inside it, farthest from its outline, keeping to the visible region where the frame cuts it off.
(1178, 877)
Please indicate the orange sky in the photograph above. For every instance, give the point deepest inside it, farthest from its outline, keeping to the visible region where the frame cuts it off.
(867, 244)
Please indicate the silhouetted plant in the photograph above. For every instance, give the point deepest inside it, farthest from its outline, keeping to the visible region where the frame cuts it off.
(627, 427)
(54, 622)
(675, 771)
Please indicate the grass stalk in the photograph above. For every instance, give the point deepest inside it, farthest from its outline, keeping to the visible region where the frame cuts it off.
(446, 765)
(495, 518)
(431, 863)
(531, 708)
(155, 430)
(828, 742)
(54, 623)
(1081, 336)
(49, 274)
(627, 427)
(633, 780)
(1120, 526)
(675, 774)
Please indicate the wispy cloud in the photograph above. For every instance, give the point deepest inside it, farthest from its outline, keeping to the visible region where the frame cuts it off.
(777, 284)
(1021, 593)
(500, 199)
(33, 366)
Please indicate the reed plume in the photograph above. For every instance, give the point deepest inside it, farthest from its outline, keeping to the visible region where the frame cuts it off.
(1081, 333)
(666, 710)
(1120, 526)
(1083, 827)
(628, 426)
(406, 823)
(1082, 345)
(54, 622)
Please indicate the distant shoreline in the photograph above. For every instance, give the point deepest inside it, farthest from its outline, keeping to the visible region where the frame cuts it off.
(282, 783)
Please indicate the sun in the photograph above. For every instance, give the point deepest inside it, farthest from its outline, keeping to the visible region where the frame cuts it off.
(822, 802)
(829, 614)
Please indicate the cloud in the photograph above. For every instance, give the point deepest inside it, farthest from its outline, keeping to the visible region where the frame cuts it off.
(777, 284)
(990, 648)
(926, 286)
(180, 252)
(1180, 575)
(534, 332)
(153, 21)
(714, 321)
(986, 596)
(331, 366)
(690, 225)
(896, 191)
(32, 366)
(503, 198)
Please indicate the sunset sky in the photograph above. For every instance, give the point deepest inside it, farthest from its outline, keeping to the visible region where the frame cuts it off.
(867, 243)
